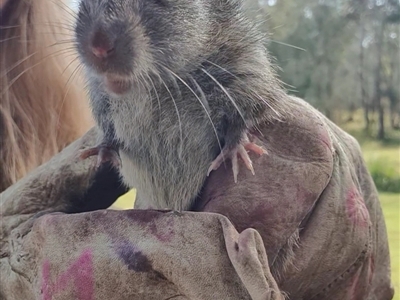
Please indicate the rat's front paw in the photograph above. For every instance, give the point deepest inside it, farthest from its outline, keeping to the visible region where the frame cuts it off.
(239, 150)
(105, 153)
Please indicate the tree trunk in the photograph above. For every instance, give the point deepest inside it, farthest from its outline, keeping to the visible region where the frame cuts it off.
(392, 119)
(381, 128)
(363, 94)
(393, 101)
(377, 85)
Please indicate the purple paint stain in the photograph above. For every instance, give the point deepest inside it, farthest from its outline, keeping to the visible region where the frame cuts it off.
(163, 232)
(152, 219)
(80, 273)
(145, 216)
(356, 209)
(133, 258)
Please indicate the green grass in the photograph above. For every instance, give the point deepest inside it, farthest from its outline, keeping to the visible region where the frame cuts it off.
(382, 157)
(126, 201)
(391, 210)
(384, 166)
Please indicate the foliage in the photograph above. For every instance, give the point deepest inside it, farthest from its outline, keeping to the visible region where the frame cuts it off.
(342, 56)
(385, 176)
(382, 157)
(338, 54)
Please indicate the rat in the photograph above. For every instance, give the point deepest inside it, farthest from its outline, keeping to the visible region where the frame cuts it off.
(177, 87)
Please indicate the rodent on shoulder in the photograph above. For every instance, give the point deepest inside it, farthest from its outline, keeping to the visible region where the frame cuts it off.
(198, 70)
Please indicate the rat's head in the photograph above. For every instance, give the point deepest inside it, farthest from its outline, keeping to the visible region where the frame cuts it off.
(123, 41)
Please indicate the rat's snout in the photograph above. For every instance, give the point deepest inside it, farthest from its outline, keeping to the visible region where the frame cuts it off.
(106, 47)
(106, 44)
(102, 44)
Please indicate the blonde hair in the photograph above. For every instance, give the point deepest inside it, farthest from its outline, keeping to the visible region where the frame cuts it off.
(43, 104)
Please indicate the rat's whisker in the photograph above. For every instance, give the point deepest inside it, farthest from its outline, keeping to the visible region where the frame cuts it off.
(223, 69)
(19, 62)
(70, 63)
(252, 92)
(288, 45)
(66, 8)
(10, 38)
(203, 96)
(155, 91)
(68, 85)
(226, 93)
(201, 103)
(52, 25)
(64, 50)
(177, 113)
(147, 84)
(30, 68)
(173, 80)
(10, 27)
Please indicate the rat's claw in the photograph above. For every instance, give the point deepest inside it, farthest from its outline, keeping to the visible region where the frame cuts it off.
(219, 160)
(89, 152)
(235, 166)
(239, 151)
(104, 154)
(107, 154)
(256, 149)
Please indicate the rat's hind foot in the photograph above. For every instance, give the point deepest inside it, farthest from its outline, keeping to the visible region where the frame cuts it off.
(105, 153)
(238, 151)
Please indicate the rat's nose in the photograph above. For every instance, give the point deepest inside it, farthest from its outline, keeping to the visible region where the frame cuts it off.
(101, 52)
(102, 45)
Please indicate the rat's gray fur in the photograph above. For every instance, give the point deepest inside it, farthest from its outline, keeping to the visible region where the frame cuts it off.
(200, 77)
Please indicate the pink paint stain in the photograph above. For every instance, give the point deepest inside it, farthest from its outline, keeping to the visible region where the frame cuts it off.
(324, 137)
(151, 219)
(80, 273)
(163, 233)
(356, 209)
(353, 289)
(371, 270)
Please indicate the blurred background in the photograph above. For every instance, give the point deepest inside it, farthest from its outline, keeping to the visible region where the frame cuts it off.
(343, 57)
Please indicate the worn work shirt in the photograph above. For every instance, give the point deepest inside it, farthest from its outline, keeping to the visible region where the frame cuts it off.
(308, 225)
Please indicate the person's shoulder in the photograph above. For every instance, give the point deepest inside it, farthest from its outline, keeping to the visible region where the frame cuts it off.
(302, 134)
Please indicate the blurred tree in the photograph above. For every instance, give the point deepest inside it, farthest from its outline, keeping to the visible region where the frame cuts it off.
(337, 54)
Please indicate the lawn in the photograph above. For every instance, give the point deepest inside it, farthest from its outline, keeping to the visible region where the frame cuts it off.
(391, 210)
(126, 201)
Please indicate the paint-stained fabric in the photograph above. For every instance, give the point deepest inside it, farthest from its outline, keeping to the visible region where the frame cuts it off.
(308, 225)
